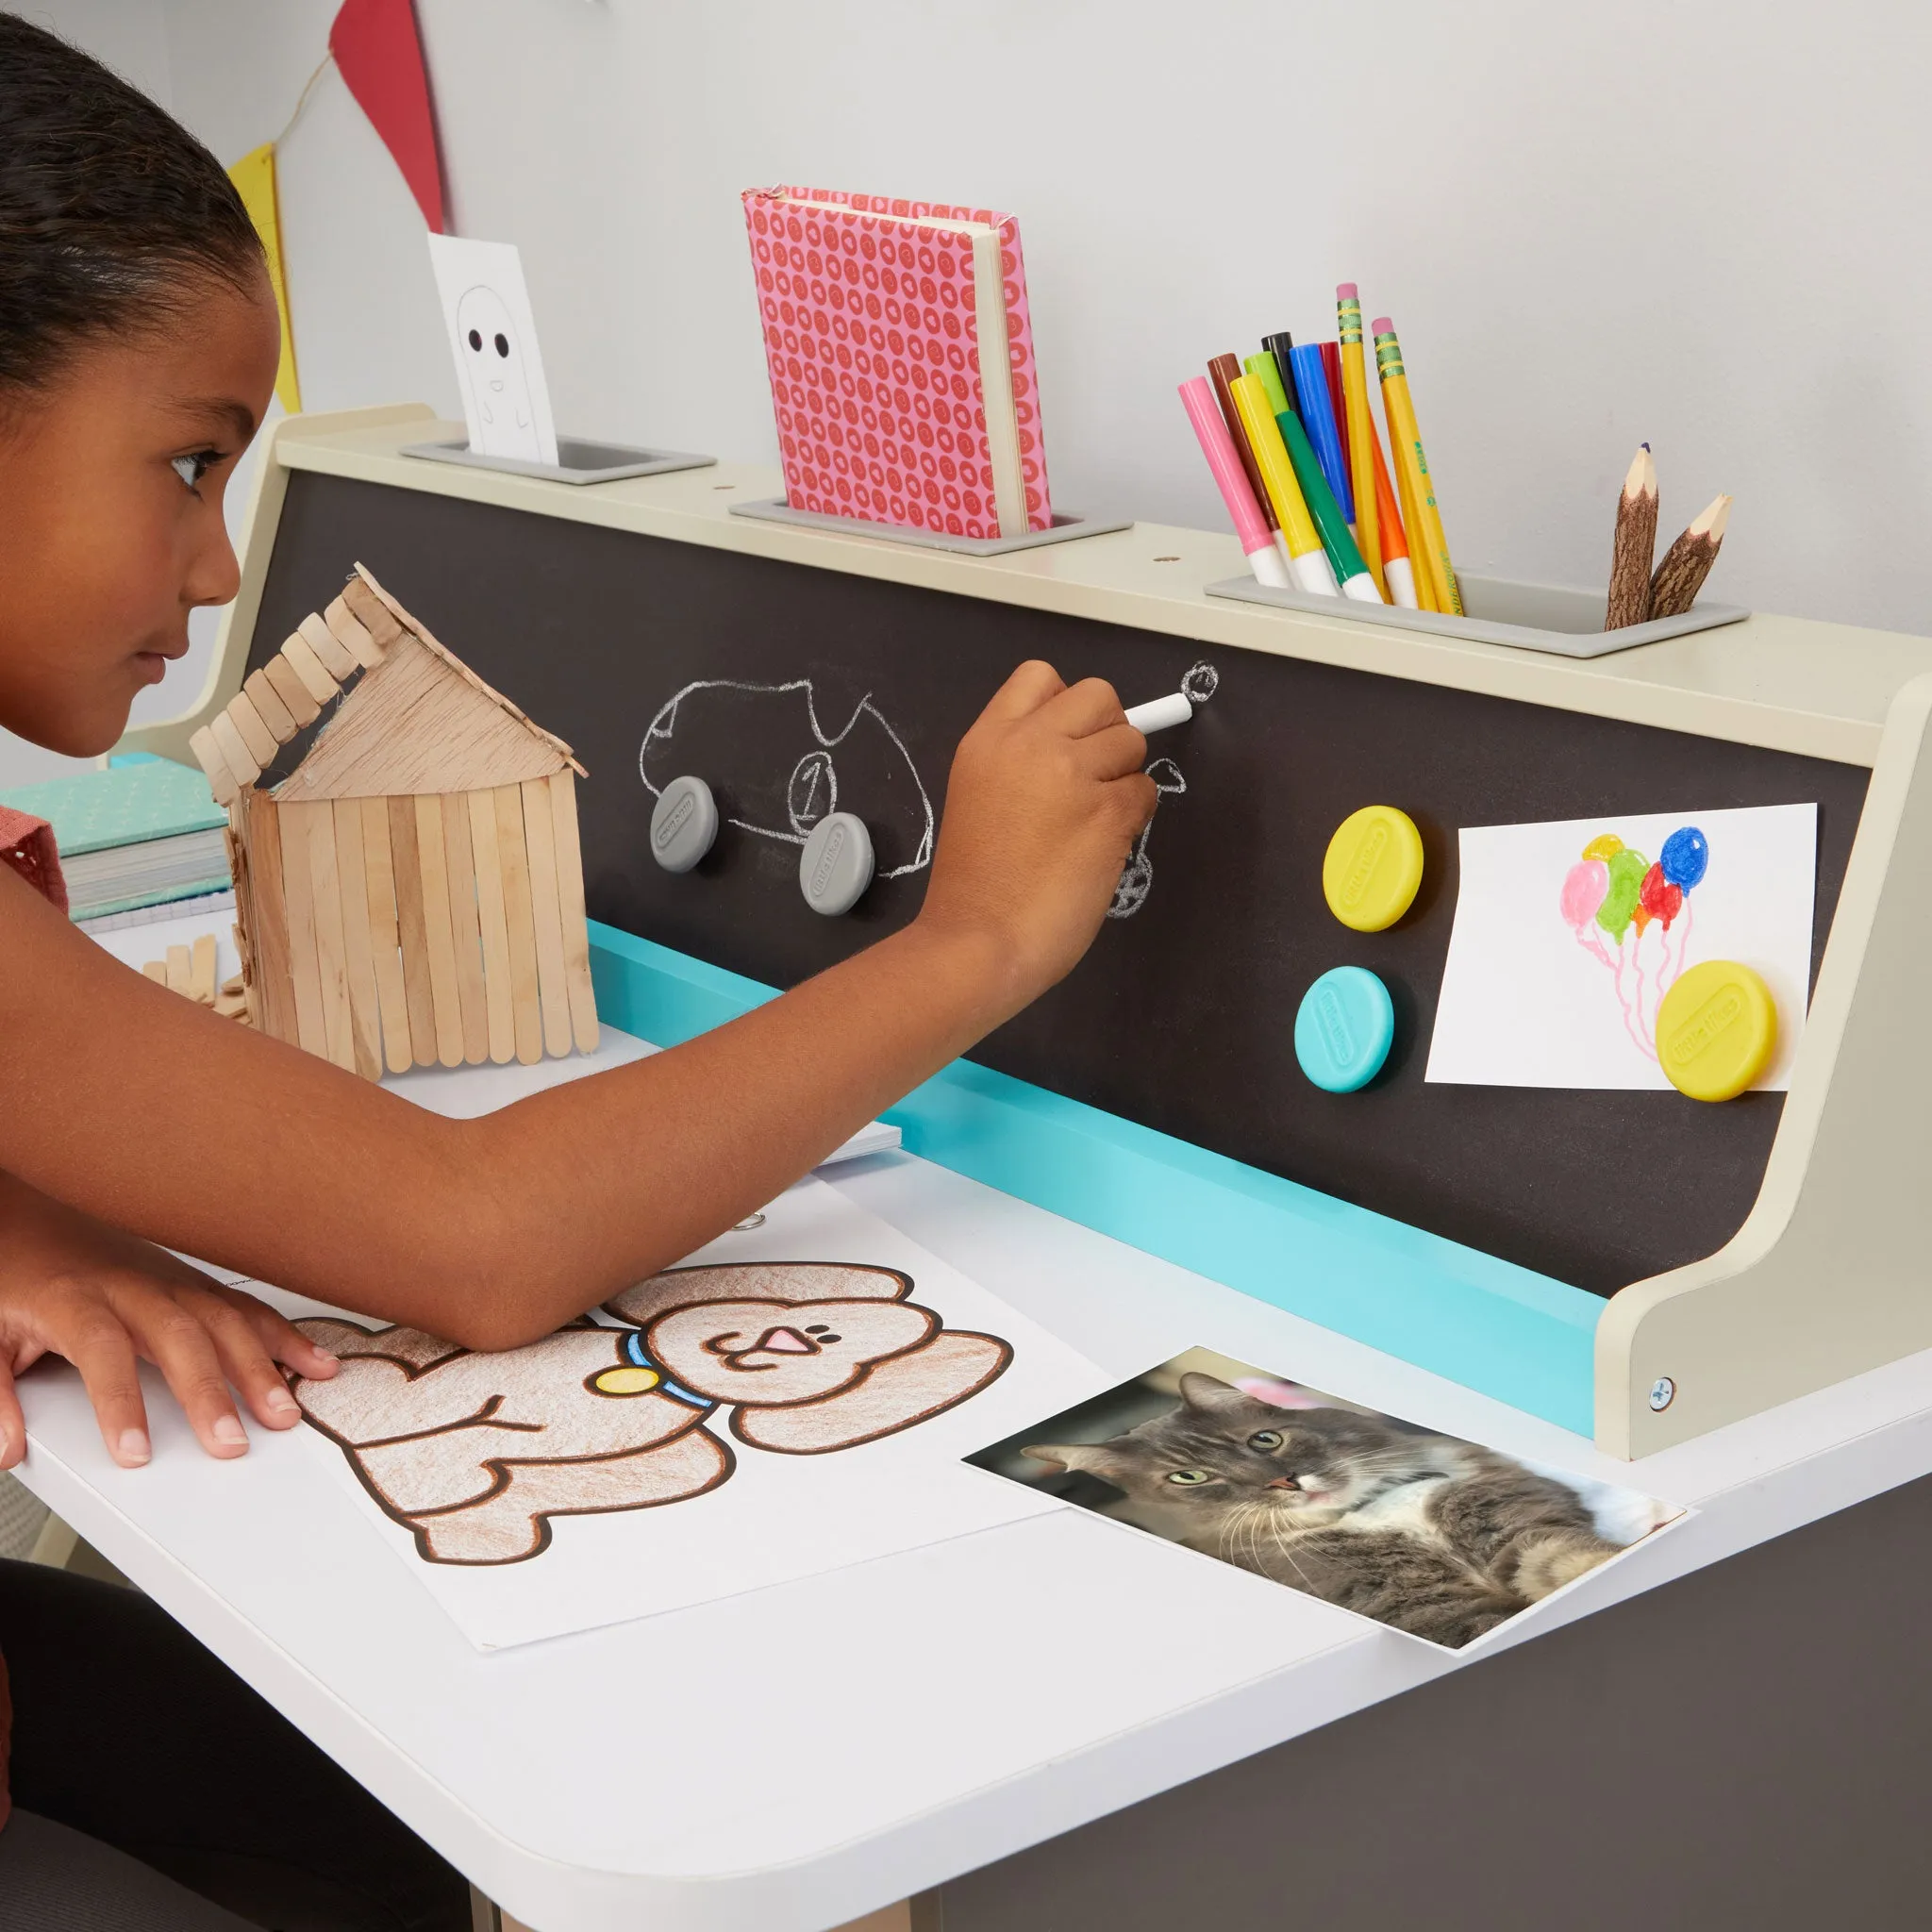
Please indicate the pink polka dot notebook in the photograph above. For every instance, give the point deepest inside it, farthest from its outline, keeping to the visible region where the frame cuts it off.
(874, 313)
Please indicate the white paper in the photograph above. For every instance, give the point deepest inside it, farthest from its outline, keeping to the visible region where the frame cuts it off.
(778, 1516)
(492, 335)
(1531, 1000)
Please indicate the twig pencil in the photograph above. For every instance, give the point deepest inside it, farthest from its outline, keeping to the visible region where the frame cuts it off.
(1688, 562)
(1221, 372)
(1634, 546)
(1427, 544)
(1361, 462)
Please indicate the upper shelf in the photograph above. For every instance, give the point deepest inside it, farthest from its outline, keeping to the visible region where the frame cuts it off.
(1821, 689)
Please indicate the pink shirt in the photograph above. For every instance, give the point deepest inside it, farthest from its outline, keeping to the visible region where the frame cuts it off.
(27, 845)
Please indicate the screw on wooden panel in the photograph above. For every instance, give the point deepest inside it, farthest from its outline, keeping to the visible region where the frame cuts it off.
(1662, 1391)
(1167, 559)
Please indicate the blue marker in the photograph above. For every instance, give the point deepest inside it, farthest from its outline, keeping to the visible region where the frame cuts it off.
(1344, 1029)
(1318, 414)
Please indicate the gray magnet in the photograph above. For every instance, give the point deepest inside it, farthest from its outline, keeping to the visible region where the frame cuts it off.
(836, 865)
(683, 824)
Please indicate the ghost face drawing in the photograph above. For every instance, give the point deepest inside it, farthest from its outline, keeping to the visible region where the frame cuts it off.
(497, 375)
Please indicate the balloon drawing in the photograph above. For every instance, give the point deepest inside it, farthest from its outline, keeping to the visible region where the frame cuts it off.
(1613, 897)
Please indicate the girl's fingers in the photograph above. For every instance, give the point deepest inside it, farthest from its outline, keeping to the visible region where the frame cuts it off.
(284, 1342)
(12, 1424)
(1024, 692)
(99, 1346)
(178, 1344)
(1085, 707)
(245, 1357)
(1111, 752)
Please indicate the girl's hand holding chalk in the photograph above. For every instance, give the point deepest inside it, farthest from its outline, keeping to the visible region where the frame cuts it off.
(1046, 800)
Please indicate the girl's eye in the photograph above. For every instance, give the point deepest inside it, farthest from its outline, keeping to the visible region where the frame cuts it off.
(1265, 1438)
(475, 341)
(192, 469)
(502, 346)
(1190, 1476)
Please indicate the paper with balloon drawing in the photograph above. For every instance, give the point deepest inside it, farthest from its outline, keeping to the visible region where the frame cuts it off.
(1569, 934)
(492, 335)
(793, 1399)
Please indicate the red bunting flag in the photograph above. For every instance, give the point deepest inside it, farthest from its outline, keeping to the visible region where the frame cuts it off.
(379, 54)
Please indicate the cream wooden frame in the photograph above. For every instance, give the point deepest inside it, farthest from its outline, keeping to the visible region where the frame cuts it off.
(1831, 1274)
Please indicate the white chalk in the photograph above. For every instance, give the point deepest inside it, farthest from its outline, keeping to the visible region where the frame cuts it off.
(1157, 714)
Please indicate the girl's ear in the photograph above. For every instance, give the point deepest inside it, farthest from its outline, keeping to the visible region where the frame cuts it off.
(757, 1281)
(891, 1396)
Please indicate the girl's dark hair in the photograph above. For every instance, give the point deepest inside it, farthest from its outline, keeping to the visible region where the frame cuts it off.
(106, 204)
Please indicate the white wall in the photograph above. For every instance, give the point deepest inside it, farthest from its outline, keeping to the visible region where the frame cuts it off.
(1704, 225)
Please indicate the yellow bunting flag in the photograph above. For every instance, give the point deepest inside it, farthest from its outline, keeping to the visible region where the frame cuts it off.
(253, 176)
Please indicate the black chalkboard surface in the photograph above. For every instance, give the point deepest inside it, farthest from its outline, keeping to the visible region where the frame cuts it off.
(1182, 1015)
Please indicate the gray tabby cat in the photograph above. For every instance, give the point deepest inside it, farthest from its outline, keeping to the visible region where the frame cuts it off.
(1436, 1537)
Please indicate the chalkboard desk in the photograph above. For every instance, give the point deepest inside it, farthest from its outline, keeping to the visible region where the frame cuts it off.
(1056, 1726)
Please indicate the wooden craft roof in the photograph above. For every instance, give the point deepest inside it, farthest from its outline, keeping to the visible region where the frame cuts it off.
(421, 720)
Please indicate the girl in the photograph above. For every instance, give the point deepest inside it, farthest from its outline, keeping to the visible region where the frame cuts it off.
(138, 349)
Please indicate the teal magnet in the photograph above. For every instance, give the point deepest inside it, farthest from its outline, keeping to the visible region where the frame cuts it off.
(1344, 1029)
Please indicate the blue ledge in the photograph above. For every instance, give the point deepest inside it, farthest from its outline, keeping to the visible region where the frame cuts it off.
(1504, 1331)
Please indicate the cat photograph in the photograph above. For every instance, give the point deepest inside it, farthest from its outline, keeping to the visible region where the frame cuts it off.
(1434, 1536)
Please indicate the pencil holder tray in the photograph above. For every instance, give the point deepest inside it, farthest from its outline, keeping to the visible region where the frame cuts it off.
(578, 461)
(1065, 529)
(1497, 610)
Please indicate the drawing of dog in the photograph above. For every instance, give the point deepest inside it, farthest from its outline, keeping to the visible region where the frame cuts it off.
(475, 1453)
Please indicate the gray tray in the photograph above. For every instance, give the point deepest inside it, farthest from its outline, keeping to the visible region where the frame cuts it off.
(578, 461)
(1497, 610)
(777, 510)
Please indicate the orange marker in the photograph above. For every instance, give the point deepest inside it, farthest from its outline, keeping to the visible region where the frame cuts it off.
(1396, 564)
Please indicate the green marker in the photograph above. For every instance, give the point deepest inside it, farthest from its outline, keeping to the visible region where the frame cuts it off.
(1330, 525)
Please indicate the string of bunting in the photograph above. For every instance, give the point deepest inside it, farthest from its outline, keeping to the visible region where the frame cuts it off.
(376, 49)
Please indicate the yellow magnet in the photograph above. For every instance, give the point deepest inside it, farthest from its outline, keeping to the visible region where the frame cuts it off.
(1373, 866)
(1716, 1030)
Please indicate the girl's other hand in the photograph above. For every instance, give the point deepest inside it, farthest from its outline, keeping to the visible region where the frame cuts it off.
(71, 1286)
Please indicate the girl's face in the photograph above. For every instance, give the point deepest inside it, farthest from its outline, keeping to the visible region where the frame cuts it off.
(112, 482)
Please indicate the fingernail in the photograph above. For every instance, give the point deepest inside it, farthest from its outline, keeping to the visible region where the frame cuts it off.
(227, 1429)
(279, 1402)
(133, 1446)
(323, 1354)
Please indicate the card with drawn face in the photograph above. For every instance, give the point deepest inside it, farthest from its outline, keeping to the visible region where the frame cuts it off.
(493, 337)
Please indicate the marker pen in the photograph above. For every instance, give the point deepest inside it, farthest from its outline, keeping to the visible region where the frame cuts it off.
(1344, 557)
(1306, 557)
(1217, 445)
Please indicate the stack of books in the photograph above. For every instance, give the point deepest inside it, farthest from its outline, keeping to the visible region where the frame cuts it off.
(143, 833)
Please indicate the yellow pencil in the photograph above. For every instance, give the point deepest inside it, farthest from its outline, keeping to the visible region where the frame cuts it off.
(1362, 467)
(1427, 543)
(1307, 560)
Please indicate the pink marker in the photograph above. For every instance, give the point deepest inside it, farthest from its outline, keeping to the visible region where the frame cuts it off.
(1264, 558)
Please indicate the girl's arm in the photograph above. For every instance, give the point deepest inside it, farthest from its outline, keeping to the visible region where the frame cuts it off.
(128, 1103)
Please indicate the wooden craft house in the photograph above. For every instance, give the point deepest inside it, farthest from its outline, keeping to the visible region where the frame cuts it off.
(411, 892)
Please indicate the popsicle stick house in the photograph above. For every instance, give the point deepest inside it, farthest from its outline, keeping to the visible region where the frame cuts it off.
(412, 892)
